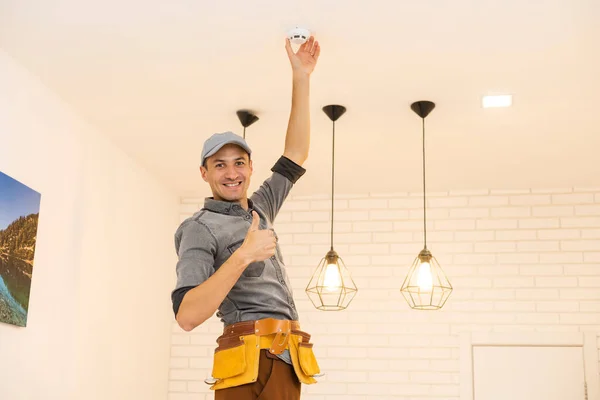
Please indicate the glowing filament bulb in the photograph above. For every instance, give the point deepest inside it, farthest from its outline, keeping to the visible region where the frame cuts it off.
(333, 280)
(425, 278)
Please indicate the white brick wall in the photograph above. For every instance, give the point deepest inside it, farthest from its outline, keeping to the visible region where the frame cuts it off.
(518, 260)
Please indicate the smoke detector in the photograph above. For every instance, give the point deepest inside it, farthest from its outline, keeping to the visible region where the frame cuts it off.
(298, 35)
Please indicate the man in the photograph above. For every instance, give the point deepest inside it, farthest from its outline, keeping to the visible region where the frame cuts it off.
(229, 260)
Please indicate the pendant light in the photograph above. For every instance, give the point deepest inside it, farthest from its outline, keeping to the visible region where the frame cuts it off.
(247, 118)
(426, 287)
(331, 287)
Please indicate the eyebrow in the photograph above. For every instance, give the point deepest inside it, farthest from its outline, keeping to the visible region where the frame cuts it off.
(220, 161)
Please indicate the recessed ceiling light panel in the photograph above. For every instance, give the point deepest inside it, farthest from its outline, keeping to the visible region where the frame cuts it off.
(504, 100)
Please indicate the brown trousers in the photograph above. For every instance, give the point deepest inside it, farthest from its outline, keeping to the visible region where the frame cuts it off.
(276, 381)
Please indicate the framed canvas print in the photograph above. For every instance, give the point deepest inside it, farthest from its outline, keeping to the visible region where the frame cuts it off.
(19, 213)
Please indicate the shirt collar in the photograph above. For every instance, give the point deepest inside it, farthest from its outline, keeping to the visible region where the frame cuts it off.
(226, 207)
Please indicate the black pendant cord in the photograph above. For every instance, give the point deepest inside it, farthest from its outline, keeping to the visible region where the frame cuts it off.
(424, 201)
(332, 179)
(244, 133)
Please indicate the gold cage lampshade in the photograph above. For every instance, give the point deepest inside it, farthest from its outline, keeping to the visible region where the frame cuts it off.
(331, 288)
(426, 287)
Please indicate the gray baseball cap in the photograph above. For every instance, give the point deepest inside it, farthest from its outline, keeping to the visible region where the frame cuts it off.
(218, 140)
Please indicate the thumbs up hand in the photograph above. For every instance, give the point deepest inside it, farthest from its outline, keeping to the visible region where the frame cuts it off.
(259, 243)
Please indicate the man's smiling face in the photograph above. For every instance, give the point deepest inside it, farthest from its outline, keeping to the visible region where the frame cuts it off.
(228, 173)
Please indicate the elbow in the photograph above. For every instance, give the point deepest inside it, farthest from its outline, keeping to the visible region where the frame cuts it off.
(186, 326)
(297, 157)
(187, 323)
(302, 160)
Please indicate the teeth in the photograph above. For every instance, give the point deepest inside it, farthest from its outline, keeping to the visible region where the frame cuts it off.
(232, 184)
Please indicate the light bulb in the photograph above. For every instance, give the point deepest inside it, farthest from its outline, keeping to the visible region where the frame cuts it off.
(425, 279)
(333, 280)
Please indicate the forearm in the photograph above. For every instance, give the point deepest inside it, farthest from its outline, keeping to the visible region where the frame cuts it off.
(201, 302)
(297, 139)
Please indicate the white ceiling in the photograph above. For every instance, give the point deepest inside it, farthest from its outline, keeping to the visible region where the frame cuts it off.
(159, 77)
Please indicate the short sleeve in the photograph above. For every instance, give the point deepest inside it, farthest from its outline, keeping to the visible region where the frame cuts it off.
(196, 249)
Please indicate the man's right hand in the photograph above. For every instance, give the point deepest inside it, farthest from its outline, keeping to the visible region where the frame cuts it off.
(259, 244)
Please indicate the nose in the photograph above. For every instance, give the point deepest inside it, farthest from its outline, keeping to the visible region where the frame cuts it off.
(231, 173)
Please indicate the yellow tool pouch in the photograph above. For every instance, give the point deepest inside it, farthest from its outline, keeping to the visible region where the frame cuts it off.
(236, 359)
(303, 359)
(237, 365)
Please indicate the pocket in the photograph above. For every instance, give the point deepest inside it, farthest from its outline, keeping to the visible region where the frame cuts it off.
(303, 359)
(235, 361)
(308, 361)
(229, 359)
(255, 269)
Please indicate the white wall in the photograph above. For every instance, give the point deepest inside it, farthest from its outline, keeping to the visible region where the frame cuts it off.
(519, 261)
(99, 312)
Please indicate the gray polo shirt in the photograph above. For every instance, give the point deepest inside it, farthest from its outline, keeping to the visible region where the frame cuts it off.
(207, 239)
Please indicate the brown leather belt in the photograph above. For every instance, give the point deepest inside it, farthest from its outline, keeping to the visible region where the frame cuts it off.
(264, 327)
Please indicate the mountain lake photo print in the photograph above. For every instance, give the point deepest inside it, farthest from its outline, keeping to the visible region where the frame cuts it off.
(19, 212)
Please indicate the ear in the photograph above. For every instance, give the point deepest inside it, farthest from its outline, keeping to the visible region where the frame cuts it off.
(203, 171)
(250, 165)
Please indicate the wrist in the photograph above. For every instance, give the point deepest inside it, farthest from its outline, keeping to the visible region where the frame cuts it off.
(300, 76)
(243, 257)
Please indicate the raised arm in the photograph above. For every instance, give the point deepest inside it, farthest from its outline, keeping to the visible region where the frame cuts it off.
(297, 139)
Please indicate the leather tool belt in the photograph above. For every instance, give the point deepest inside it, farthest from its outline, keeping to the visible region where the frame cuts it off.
(237, 355)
